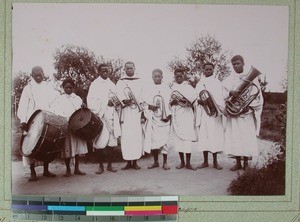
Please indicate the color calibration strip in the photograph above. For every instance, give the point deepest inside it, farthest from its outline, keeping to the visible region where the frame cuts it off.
(93, 208)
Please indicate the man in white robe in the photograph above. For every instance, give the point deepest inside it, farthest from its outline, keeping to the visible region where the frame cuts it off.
(241, 130)
(210, 127)
(157, 126)
(37, 94)
(129, 91)
(65, 105)
(183, 118)
(100, 102)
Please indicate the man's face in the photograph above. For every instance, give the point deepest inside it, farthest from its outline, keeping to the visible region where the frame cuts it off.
(68, 88)
(238, 66)
(104, 72)
(37, 75)
(129, 69)
(179, 77)
(208, 70)
(157, 77)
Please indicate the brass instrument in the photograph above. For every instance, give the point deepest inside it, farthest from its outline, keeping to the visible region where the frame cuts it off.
(115, 100)
(109, 127)
(247, 92)
(134, 103)
(209, 104)
(182, 101)
(158, 101)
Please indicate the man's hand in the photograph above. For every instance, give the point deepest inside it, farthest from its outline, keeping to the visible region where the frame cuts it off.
(233, 93)
(153, 108)
(166, 119)
(201, 102)
(173, 102)
(127, 102)
(110, 103)
(24, 127)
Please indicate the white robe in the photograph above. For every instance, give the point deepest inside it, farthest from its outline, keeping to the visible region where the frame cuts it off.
(34, 96)
(157, 132)
(65, 105)
(183, 120)
(210, 129)
(97, 100)
(241, 131)
(131, 128)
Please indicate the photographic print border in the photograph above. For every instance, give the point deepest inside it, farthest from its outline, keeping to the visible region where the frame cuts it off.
(217, 208)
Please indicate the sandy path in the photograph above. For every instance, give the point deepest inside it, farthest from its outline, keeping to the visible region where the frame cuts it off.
(208, 181)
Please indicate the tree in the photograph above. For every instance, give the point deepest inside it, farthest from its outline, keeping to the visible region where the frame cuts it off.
(202, 50)
(78, 63)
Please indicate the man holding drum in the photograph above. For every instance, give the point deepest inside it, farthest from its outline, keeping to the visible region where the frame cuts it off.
(101, 100)
(36, 95)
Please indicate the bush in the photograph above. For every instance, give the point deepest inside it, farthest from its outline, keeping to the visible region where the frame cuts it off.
(268, 179)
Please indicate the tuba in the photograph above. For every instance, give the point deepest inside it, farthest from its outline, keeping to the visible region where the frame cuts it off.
(115, 100)
(129, 95)
(247, 92)
(158, 101)
(182, 101)
(210, 106)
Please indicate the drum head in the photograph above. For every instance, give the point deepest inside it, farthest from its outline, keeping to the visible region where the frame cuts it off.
(79, 119)
(35, 128)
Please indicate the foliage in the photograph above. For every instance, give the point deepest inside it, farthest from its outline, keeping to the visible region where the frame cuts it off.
(202, 50)
(268, 179)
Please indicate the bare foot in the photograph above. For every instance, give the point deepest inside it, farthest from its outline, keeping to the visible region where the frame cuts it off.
(48, 174)
(190, 167)
(100, 170)
(166, 167)
(78, 172)
(203, 165)
(236, 167)
(111, 169)
(128, 166)
(218, 167)
(154, 165)
(136, 167)
(67, 174)
(33, 177)
(180, 166)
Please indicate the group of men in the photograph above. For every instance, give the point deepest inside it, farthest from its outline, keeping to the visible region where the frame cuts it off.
(158, 116)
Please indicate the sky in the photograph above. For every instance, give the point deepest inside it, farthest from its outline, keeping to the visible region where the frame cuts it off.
(151, 35)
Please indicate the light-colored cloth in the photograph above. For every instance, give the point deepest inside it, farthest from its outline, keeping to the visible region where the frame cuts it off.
(65, 105)
(131, 129)
(210, 129)
(34, 96)
(183, 132)
(97, 100)
(241, 131)
(156, 131)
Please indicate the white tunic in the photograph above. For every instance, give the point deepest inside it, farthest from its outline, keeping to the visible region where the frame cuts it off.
(210, 128)
(157, 132)
(34, 96)
(65, 105)
(183, 120)
(131, 129)
(241, 131)
(97, 100)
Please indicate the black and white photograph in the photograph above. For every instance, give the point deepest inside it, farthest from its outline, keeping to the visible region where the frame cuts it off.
(149, 99)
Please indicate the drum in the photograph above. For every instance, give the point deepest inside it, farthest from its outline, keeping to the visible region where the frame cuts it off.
(85, 124)
(45, 136)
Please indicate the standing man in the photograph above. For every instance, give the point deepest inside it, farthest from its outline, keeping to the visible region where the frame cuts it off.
(99, 100)
(210, 127)
(37, 94)
(157, 127)
(183, 131)
(129, 92)
(241, 130)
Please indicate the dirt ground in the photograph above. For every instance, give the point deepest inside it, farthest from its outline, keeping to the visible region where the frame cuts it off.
(207, 181)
